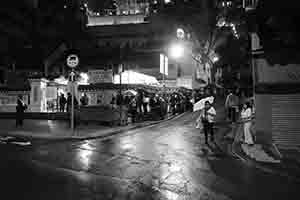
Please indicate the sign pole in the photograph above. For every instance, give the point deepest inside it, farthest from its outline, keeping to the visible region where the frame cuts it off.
(72, 62)
(121, 98)
(72, 103)
(164, 71)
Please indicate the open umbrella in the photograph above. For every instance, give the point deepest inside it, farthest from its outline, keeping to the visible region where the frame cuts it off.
(200, 104)
(130, 93)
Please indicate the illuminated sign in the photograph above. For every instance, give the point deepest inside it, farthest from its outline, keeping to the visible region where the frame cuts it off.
(164, 63)
(72, 61)
(100, 76)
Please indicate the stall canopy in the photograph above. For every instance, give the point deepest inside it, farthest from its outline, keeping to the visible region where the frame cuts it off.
(132, 77)
(130, 93)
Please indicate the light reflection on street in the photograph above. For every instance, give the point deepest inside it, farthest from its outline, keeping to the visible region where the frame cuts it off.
(85, 154)
(170, 195)
(127, 143)
(176, 171)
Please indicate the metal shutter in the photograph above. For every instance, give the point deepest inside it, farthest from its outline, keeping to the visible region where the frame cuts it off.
(286, 120)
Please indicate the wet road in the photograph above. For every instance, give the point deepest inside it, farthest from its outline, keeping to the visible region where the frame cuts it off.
(165, 161)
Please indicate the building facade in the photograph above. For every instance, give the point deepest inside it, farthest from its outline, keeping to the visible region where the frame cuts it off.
(277, 99)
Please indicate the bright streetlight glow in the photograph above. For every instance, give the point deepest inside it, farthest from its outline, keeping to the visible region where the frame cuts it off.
(215, 59)
(176, 51)
(180, 33)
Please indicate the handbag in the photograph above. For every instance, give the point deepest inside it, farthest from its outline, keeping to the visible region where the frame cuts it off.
(199, 125)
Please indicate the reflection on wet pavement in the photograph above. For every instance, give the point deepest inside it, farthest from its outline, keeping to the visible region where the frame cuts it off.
(167, 161)
(84, 154)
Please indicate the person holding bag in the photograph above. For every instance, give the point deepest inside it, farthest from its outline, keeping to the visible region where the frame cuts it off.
(208, 119)
(246, 115)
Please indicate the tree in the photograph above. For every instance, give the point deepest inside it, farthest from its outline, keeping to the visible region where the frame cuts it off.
(197, 18)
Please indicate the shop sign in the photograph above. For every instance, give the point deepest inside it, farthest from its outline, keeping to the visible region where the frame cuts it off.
(72, 60)
(100, 76)
(277, 73)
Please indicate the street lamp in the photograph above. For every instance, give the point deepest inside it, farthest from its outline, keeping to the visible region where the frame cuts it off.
(215, 59)
(176, 51)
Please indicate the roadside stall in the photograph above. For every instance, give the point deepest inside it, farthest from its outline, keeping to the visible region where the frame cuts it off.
(53, 92)
(100, 107)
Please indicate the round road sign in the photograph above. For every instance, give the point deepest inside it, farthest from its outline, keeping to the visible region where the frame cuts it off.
(72, 60)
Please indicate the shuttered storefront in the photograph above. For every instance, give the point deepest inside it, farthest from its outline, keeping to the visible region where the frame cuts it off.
(286, 120)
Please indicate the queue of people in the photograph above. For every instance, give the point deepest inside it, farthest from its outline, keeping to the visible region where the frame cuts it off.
(65, 103)
(152, 106)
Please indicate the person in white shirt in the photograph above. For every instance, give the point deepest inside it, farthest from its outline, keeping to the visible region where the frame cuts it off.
(246, 115)
(208, 119)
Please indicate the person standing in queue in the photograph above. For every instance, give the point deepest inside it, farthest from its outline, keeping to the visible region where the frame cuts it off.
(208, 119)
(20, 108)
(62, 103)
(84, 100)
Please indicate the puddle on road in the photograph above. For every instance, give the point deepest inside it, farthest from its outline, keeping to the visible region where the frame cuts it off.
(14, 140)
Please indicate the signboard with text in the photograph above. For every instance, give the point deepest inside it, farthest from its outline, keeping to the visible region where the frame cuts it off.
(277, 73)
(164, 63)
(100, 76)
(72, 60)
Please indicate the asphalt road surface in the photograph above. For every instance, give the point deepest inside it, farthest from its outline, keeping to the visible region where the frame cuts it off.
(165, 161)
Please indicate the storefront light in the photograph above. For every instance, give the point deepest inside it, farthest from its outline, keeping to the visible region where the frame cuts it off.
(84, 78)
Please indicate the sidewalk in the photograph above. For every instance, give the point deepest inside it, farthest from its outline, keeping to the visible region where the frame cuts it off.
(59, 130)
(267, 157)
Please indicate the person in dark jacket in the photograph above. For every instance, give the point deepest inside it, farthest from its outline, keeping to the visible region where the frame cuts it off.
(84, 100)
(20, 108)
(62, 103)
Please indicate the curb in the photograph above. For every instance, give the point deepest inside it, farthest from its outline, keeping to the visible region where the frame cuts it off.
(250, 162)
(107, 134)
(260, 166)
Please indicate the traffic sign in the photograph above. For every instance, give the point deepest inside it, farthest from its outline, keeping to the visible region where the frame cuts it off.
(72, 60)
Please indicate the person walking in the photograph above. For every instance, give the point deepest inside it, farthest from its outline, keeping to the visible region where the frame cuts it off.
(246, 115)
(20, 108)
(231, 105)
(62, 103)
(208, 116)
